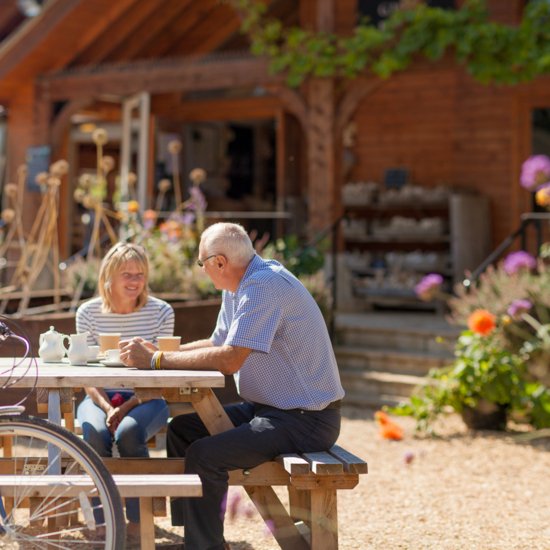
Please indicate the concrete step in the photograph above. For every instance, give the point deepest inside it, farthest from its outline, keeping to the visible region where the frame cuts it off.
(374, 390)
(374, 401)
(396, 331)
(383, 356)
(389, 360)
(398, 386)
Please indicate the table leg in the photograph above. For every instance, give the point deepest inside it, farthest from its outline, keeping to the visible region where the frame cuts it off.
(147, 525)
(324, 519)
(212, 413)
(54, 416)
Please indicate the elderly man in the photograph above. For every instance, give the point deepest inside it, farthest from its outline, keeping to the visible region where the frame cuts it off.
(271, 336)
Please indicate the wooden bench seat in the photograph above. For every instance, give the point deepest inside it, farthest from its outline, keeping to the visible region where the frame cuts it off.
(312, 481)
(144, 487)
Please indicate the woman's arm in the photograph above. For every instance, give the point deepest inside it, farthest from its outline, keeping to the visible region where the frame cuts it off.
(100, 398)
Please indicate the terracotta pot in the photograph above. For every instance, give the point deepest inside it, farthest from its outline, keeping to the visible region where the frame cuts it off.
(485, 416)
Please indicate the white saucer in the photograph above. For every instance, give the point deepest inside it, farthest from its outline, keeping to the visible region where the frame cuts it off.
(107, 363)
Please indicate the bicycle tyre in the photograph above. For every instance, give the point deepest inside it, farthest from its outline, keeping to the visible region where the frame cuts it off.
(94, 518)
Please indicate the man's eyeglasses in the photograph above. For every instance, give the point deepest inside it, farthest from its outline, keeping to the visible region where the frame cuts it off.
(201, 263)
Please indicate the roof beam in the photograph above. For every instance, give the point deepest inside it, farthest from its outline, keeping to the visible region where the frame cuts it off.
(121, 29)
(31, 33)
(149, 30)
(185, 74)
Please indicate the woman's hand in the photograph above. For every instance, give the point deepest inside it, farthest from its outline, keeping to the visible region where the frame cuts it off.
(137, 353)
(113, 419)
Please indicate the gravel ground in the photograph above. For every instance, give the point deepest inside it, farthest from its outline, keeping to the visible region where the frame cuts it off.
(483, 490)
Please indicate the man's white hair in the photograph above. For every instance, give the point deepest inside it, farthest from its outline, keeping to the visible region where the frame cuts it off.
(230, 240)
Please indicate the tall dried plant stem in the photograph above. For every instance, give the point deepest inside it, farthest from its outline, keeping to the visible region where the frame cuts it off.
(48, 242)
(177, 182)
(109, 227)
(94, 237)
(16, 226)
(160, 200)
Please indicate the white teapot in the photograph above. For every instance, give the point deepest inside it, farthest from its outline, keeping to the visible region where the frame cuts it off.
(51, 347)
(78, 351)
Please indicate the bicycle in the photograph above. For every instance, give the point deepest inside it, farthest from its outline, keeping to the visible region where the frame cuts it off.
(55, 491)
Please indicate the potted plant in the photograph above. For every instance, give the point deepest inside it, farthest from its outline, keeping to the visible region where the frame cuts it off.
(499, 368)
(484, 384)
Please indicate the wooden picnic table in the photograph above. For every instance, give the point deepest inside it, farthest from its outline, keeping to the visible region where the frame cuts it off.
(312, 480)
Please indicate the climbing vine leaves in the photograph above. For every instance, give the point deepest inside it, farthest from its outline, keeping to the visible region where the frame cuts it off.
(490, 51)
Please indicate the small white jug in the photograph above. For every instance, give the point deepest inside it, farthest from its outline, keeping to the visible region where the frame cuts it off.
(51, 348)
(78, 349)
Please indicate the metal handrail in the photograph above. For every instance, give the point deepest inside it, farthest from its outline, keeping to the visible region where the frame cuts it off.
(527, 219)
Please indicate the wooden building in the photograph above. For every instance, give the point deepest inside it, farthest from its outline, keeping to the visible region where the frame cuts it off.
(185, 68)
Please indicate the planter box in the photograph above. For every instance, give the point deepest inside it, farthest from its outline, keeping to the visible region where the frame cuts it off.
(194, 321)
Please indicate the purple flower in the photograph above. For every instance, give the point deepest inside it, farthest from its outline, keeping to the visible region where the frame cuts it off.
(408, 457)
(148, 224)
(535, 172)
(188, 218)
(518, 307)
(428, 287)
(233, 504)
(197, 197)
(518, 260)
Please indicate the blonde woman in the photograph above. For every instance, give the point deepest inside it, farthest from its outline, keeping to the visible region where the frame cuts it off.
(117, 416)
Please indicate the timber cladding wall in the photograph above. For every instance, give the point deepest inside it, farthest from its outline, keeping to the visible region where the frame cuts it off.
(407, 122)
(446, 129)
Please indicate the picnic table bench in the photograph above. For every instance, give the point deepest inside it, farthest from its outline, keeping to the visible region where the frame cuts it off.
(129, 485)
(312, 481)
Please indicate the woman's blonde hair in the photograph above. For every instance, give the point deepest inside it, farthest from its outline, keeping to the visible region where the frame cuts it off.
(111, 264)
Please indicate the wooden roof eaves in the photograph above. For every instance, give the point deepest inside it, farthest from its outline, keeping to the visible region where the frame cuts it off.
(31, 33)
(160, 76)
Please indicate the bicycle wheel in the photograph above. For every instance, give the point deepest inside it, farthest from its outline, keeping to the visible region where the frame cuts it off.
(82, 509)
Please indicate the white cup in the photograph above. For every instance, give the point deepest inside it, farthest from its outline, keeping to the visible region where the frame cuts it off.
(93, 352)
(113, 355)
(169, 343)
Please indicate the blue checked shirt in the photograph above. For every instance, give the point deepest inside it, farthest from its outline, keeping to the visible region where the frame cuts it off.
(292, 364)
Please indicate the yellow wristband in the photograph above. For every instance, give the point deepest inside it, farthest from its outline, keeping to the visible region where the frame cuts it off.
(157, 361)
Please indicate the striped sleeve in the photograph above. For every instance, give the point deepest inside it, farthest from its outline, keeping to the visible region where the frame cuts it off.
(166, 319)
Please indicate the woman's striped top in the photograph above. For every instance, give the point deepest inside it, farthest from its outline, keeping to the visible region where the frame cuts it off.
(154, 319)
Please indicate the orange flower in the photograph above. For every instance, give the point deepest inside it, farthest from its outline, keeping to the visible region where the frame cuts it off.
(542, 196)
(388, 428)
(133, 206)
(150, 215)
(481, 322)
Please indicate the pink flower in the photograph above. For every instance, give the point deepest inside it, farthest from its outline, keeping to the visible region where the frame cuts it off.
(535, 172)
(518, 307)
(428, 287)
(516, 261)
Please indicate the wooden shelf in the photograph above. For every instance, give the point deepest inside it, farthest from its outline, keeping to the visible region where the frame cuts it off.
(386, 245)
(419, 210)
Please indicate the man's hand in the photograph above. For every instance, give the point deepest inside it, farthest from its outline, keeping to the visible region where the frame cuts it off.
(137, 353)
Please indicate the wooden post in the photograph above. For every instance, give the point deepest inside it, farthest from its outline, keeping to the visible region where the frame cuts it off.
(321, 151)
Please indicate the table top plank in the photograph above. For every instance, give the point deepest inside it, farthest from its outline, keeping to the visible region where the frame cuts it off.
(63, 375)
